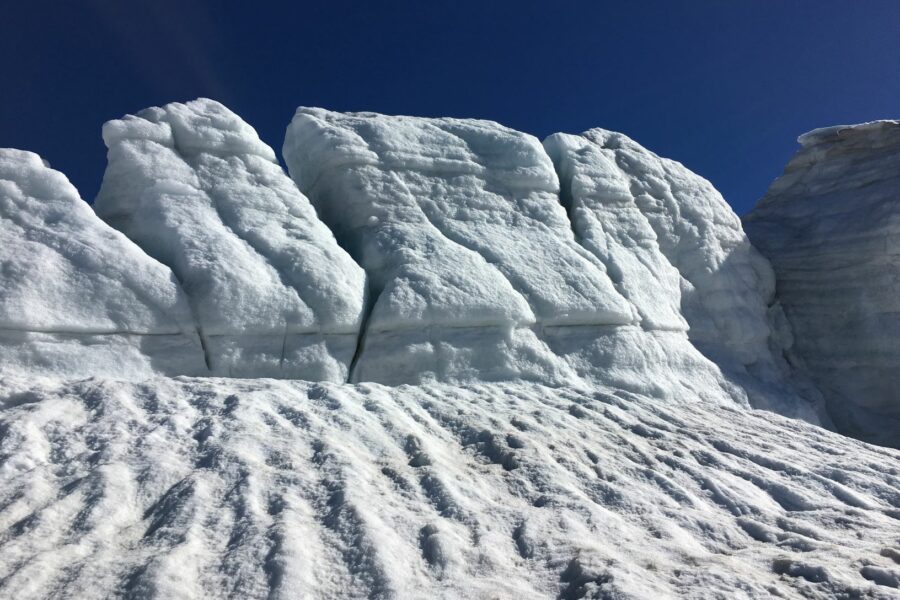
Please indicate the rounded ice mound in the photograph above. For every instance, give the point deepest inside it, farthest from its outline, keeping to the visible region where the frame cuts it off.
(831, 227)
(273, 293)
(77, 297)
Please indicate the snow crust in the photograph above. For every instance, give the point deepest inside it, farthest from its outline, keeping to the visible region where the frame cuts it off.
(272, 293)
(77, 297)
(831, 227)
(187, 488)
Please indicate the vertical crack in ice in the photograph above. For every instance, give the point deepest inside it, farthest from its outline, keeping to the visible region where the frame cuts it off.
(567, 201)
(369, 302)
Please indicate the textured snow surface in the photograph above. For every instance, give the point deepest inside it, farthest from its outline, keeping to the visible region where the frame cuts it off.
(459, 227)
(76, 296)
(476, 273)
(831, 227)
(186, 488)
(272, 292)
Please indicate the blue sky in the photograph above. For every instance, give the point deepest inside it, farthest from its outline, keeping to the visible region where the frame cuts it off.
(722, 86)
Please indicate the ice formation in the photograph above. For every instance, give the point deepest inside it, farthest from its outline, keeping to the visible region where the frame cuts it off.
(468, 251)
(272, 293)
(586, 325)
(831, 227)
(77, 297)
(678, 253)
(477, 275)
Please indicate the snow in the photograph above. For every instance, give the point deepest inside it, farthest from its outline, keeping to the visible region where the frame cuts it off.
(678, 253)
(830, 226)
(272, 292)
(210, 487)
(585, 325)
(78, 298)
(477, 275)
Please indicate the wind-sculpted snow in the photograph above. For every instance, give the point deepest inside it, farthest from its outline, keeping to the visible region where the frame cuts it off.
(458, 224)
(831, 227)
(475, 271)
(77, 297)
(208, 487)
(272, 292)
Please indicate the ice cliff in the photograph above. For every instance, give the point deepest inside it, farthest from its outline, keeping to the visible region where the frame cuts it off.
(443, 359)
(831, 228)
(477, 272)
(406, 250)
(77, 297)
(271, 291)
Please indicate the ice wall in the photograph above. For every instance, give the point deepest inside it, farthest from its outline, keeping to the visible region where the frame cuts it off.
(830, 225)
(678, 253)
(78, 298)
(272, 293)
(460, 225)
(448, 250)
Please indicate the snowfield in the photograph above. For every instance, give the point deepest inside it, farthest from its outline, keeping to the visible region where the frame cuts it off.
(190, 488)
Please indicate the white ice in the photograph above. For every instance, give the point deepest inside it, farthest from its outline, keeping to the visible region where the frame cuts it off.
(272, 292)
(77, 297)
(677, 252)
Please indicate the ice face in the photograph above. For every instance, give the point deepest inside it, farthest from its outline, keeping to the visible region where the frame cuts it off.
(272, 292)
(459, 225)
(485, 256)
(478, 273)
(679, 251)
(77, 297)
(831, 225)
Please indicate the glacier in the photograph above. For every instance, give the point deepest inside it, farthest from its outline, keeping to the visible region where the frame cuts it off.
(78, 298)
(439, 357)
(830, 226)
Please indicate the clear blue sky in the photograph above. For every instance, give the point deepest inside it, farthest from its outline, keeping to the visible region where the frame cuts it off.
(723, 86)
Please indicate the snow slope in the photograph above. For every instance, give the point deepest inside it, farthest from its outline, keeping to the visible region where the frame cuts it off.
(831, 227)
(272, 293)
(185, 488)
(78, 298)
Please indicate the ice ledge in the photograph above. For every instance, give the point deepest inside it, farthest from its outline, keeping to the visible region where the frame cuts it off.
(838, 133)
